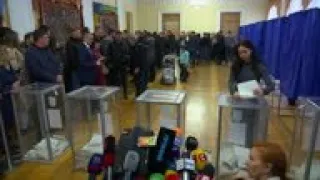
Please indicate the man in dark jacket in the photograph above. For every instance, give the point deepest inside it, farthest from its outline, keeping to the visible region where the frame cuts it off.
(41, 63)
(72, 60)
(141, 65)
(160, 48)
(86, 71)
(117, 63)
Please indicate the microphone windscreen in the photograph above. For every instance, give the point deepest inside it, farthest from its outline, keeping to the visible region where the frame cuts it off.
(131, 161)
(95, 164)
(203, 177)
(162, 152)
(172, 177)
(191, 143)
(109, 144)
(156, 176)
(200, 158)
(209, 170)
(108, 159)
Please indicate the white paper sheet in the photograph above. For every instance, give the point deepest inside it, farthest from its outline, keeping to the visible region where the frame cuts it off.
(108, 124)
(237, 133)
(242, 155)
(54, 117)
(307, 131)
(52, 101)
(246, 89)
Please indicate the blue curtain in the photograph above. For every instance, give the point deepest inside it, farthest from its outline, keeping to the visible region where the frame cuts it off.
(273, 39)
(290, 50)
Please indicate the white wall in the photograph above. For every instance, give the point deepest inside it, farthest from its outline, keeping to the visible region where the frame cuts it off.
(21, 16)
(202, 18)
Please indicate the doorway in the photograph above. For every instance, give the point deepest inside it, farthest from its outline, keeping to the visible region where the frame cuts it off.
(129, 19)
(230, 21)
(171, 21)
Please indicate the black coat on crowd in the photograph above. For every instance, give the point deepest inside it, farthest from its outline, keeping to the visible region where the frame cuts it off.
(160, 44)
(117, 62)
(172, 45)
(219, 49)
(71, 63)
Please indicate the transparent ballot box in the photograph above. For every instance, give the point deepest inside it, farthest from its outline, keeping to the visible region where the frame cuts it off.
(165, 108)
(5, 156)
(93, 115)
(40, 119)
(305, 150)
(241, 122)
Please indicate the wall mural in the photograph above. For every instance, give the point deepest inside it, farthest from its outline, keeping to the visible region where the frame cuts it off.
(105, 16)
(60, 16)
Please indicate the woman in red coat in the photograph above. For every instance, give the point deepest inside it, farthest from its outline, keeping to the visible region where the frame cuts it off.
(100, 61)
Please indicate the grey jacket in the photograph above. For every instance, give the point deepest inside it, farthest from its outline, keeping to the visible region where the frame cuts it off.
(246, 74)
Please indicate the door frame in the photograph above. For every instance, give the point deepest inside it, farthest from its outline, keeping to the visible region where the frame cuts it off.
(160, 13)
(219, 18)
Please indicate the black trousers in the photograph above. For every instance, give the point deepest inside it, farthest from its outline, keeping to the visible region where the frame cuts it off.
(184, 74)
(118, 77)
(141, 81)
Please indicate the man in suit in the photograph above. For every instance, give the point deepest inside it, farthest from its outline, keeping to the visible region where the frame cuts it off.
(87, 66)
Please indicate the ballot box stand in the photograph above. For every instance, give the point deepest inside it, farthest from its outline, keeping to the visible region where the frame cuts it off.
(93, 115)
(165, 108)
(5, 159)
(305, 151)
(40, 119)
(241, 122)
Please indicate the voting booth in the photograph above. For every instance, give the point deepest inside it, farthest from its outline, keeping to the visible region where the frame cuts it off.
(305, 150)
(5, 156)
(241, 122)
(161, 108)
(92, 115)
(40, 119)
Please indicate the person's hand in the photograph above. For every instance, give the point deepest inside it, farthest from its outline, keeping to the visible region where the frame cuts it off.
(15, 85)
(136, 70)
(105, 70)
(59, 79)
(98, 63)
(258, 92)
(101, 59)
(236, 95)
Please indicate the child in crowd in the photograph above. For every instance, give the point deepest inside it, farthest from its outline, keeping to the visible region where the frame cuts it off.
(184, 64)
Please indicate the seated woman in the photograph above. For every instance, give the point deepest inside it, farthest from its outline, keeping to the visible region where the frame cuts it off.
(267, 161)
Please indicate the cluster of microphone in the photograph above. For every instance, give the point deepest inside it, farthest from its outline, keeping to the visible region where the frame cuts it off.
(158, 158)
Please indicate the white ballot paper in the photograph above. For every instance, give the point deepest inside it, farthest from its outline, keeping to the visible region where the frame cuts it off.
(246, 89)
(55, 118)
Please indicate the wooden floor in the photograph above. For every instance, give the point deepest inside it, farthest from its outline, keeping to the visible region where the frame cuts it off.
(205, 83)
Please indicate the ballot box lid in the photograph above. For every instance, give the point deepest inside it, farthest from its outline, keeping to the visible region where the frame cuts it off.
(93, 92)
(225, 100)
(39, 88)
(173, 97)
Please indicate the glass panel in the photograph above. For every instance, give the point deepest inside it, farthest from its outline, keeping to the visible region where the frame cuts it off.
(305, 128)
(162, 96)
(93, 113)
(241, 124)
(39, 112)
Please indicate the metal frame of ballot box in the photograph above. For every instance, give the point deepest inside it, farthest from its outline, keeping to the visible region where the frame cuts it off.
(304, 153)
(95, 98)
(254, 116)
(162, 97)
(44, 102)
(6, 148)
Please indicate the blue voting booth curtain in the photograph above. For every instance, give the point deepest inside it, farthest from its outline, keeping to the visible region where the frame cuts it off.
(254, 33)
(273, 39)
(290, 50)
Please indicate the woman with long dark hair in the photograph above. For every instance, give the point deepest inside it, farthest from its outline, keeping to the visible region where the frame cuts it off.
(249, 67)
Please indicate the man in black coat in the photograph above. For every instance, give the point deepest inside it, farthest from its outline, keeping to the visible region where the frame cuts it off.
(141, 65)
(117, 63)
(72, 60)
